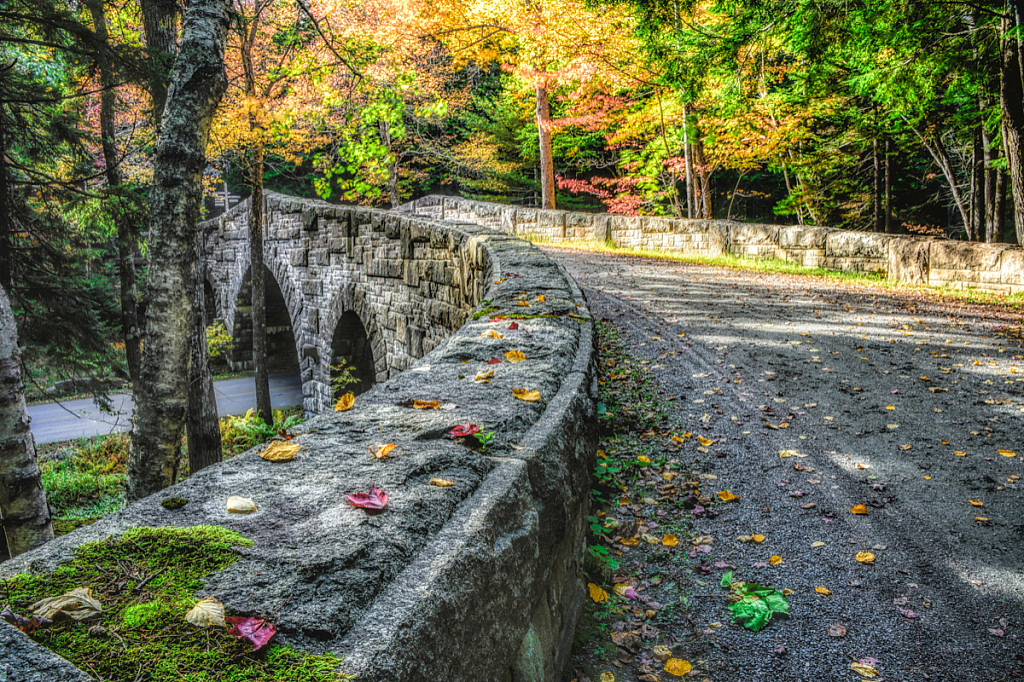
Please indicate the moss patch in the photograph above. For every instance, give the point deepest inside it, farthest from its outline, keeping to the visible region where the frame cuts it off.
(146, 580)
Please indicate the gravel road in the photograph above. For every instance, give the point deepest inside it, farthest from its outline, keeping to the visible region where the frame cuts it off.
(900, 402)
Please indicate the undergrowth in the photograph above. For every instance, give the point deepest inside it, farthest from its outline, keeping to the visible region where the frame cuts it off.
(145, 581)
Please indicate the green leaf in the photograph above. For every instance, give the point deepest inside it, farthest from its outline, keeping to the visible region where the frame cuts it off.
(727, 580)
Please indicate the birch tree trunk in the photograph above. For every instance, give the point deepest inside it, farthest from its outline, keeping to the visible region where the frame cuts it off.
(198, 81)
(688, 162)
(547, 163)
(126, 239)
(24, 513)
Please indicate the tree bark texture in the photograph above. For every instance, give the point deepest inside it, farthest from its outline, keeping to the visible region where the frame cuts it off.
(704, 177)
(547, 163)
(688, 162)
(126, 239)
(197, 83)
(202, 428)
(1011, 102)
(23, 510)
(878, 222)
(5, 206)
(160, 24)
(889, 227)
(259, 295)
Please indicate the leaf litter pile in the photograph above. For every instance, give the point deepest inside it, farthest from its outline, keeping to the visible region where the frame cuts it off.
(641, 551)
(124, 610)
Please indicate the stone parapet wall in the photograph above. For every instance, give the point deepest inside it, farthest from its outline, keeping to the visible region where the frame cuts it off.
(937, 262)
(480, 581)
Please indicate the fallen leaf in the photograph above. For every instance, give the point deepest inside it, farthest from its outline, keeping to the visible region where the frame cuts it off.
(515, 356)
(705, 441)
(240, 505)
(376, 499)
(976, 503)
(607, 676)
(494, 361)
(865, 557)
(677, 667)
(758, 538)
(442, 482)
(661, 653)
(783, 454)
(905, 447)
(491, 334)
(207, 613)
(630, 542)
(425, 404)
(819, 543)
(382, 451)
(77, 604)
(670, 540)
(1007, 453)
(252, 628)
(907, 612)
(26, 625)
(523, 304)
(822, 590)
(345, 403)
(541, 298)
(889, 407)
(514, 326)
(463, 431)
(726, 496)
(859, 509)
(484, 375)
(837, 631)
(643, 459)
(528, 396)
(959, 454)
(280, 451)
(863, 670)
(775, 560)
(597, 594)
(625, 590)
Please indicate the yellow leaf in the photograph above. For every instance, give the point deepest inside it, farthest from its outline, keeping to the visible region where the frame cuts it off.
(925, 379)
(523, 304)
(484, 375)
(620, 589)
(207, 613)
(607, 676)
(889, 407)
(865, 557)
(491, 334)
(670, 540)
(959, 454)
(382, 451)
(601, 454)
(596, 593)
(643, 459)
(345, 403)
(981, 519)
(426, 404)
(976, 503)
(677, 667)
(705, 441)
(442, 482)
(758, 538)
(783, 454)
(540, 298)
(1007, 453)
(775, 560)
(630, 542)
(515, 356)
(863, 670)
(280, 451)
(528, 396)
(726, 496)
(678, 439)
(859, 509)
(687, 435)
(822, 590)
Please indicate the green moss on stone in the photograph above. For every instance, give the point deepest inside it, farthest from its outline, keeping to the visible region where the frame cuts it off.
(173, 503)
(146, 627)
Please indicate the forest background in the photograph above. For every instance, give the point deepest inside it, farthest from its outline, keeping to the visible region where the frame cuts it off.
(897, 116)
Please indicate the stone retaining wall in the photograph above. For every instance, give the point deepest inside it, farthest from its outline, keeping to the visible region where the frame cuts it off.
(477, 582)
(938, 262)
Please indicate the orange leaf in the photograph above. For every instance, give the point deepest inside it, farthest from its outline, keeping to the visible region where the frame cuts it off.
(382, 451)
(822, 590)
(976, 503)
(865, 557)
(426, 404)
(523, 304)
(541, 299)
(345, 403)
(515, 356)
(670, 541)
(859, 509)
(726, 496)
(528, 396)
(597, 594)
(775, 560)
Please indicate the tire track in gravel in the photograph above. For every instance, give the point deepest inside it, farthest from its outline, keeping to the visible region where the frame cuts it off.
(829, 360)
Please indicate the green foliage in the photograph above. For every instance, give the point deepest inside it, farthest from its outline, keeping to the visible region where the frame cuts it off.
(238, 434)
(85, 479)
(342, 377)
(219, 340)
(150, 627)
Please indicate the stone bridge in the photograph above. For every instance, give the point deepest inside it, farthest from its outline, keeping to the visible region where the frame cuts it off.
(367, 288)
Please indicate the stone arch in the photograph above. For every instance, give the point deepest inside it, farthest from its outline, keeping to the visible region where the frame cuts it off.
(282, 327)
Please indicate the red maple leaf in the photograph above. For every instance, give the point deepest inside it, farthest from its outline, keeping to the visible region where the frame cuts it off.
(376, 499)
(464, 430)
(494, 361)
(514, 326)
(252, 628)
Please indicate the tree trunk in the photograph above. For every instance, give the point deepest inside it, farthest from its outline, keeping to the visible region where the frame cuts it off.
(889, 227)
(999, 209)
(259, 292)
(160, 23)
(703, 175)
(1011, 102)
(688, 161)
(547, 163)
(197, 83)
(5, 205)
(976, 230)
(989, 184)
(878, 220)
(202, 427)
(24, 514)
(126, 239)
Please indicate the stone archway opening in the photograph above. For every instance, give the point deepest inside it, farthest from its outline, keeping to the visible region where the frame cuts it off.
(351, 355)
(281, 351)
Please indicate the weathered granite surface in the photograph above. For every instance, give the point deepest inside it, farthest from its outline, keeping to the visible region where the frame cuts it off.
(478, 581)
(938, 262)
